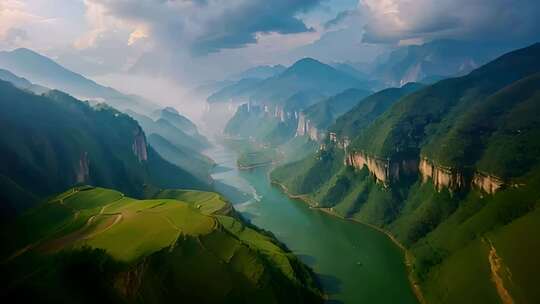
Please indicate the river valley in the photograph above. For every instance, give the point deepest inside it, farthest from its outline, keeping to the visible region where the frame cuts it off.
(355, 263)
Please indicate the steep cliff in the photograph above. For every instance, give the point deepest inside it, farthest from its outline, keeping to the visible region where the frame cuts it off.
(83, 170)
(488, 183)
(385, 171)
(67, 141)
(139, 145)
(442, 177)
(307, 128)
(471, 136)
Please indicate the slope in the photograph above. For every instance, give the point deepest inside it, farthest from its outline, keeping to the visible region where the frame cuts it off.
(54, 141)
(180, 246)
(44, 71)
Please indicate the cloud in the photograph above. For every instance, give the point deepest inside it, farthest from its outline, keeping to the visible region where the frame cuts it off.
(208, 26)
(340, 18)
(509, 21)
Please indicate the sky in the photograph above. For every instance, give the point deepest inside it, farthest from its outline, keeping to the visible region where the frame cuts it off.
(191, 41)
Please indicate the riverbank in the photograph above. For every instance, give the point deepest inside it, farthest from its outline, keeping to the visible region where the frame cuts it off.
(409, 258)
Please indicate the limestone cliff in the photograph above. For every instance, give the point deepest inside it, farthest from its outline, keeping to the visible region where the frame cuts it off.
(307, 128)
(488, 183)
(83, 172)
(139, 145)
(384, 170)
(443, 177)
(455, 179)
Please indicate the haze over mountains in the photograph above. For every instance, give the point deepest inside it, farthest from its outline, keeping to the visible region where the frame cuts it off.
(44, 71)
(337, 151)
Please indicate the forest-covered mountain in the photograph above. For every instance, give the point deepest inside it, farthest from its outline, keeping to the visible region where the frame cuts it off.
(274, 112)
(315, 120)
(452, 171)
(90, 244)
(53, 141)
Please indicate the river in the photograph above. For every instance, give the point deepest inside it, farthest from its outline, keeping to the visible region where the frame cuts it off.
(355, 263)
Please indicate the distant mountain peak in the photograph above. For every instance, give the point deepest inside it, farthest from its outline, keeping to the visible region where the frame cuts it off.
(306, 61)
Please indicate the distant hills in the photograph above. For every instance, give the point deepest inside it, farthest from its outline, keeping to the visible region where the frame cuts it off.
(21, 83)
(451, 170)
(260, 72)
(276, 103)
(434, 60)
(305, 75)
(44, 71)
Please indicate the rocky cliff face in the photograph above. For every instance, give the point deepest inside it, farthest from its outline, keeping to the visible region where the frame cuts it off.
(83, 172)
(139, 145)
(384, 170)
(306, 127)
(443, 177)
(488, 183)
(455, 180)
(387, 171)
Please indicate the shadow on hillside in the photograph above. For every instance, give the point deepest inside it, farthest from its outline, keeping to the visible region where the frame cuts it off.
(307, 259)
(331, 285)
(231, 193)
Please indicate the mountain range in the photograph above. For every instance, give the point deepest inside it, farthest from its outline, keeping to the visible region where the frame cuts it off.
(53, 141)
(450, 170)
(44, 71)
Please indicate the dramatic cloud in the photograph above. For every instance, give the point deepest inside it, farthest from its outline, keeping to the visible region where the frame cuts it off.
(207, 26)
(391, 21)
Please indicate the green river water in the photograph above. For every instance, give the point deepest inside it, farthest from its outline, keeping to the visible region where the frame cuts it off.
(355, 263)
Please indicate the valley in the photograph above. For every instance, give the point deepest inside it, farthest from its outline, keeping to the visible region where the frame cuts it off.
(355, 263)
(273, 152)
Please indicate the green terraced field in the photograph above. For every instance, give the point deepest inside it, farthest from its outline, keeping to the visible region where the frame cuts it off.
(186, 238)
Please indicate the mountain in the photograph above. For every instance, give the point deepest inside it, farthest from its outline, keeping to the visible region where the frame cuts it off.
(187, 159)
(44, 71)
(54, 141)
(21, 83)
(278, 101)
(169, 131)
(176, 119)
(351, 70)
(239, 90)
(91, 245)
(305, 75)
(315, 120)
(436, 59)
(369, 109)
(452, 172)
(260, 72)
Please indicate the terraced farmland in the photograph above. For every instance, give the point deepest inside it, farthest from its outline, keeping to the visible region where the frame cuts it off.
(178, 244)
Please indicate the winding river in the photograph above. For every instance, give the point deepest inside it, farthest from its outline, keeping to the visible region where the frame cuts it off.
(355, 263)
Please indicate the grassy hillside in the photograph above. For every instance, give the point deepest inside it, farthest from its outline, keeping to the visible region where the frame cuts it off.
(54, 141)
(460, 236)
(178, 246)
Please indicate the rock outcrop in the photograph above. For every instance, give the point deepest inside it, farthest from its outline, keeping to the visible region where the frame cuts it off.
(384, 170)
(307, 128)
(139, 145)
(443, 177)
(454, 179)
(488, 183)
(82, 173)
